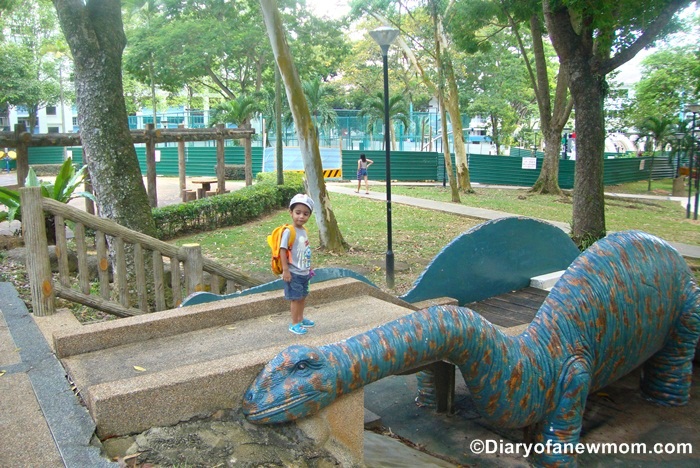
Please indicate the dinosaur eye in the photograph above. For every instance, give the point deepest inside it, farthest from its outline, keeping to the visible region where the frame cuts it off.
(301, 365)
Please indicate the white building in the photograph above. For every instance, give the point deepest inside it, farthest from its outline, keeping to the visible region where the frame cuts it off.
(50, 119)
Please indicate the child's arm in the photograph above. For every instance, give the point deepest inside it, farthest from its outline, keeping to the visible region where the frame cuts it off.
(369, 162)
(284, 256)
(286, 276)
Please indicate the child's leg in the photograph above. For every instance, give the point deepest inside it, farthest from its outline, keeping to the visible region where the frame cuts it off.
(366, 184)
(297, 308)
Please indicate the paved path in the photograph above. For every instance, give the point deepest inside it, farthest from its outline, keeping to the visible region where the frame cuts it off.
(690, 251)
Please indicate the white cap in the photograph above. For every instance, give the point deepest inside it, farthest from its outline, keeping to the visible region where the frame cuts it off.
(303, 199)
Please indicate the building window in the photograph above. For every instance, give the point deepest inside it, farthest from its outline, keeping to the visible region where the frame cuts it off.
(50, 110)
(53, 129)
(25, 121)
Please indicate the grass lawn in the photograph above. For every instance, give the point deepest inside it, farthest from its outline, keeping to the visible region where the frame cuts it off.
(665, 219)
(418, 234)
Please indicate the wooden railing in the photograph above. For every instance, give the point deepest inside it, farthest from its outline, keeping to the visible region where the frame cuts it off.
(114, 298)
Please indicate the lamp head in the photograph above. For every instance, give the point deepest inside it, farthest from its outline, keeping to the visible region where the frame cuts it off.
(694, 108)
(384, 36)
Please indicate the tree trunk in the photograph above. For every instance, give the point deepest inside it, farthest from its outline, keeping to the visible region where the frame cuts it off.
(329, 233)
(96, 38)
(589, 202)
(586, 83)
(279, 151)
(552, 118)
(452, 105)
(443, 116)
(548, 181)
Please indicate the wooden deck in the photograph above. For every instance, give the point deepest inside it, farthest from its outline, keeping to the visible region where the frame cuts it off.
(511, 309)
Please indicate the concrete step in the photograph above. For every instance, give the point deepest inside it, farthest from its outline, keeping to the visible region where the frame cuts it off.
(164, 376)
(546, 281)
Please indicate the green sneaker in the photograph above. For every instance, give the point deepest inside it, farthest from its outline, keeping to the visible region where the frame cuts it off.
(297, 329)
(306, 323)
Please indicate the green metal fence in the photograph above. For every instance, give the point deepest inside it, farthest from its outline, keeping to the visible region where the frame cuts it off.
(405, 165)
(199, 160)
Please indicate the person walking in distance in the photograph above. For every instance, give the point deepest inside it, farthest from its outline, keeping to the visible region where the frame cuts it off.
(362, 164)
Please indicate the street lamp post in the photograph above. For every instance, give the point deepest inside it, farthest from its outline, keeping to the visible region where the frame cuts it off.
(384, 36)
(694, 108)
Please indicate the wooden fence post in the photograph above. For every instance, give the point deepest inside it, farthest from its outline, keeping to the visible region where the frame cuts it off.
(220, 161)
(22, 154)
(194, 268)
(38, 264)
(181, 166)
(151, 165)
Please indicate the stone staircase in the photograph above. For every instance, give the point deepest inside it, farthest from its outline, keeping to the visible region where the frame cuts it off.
(165, 367)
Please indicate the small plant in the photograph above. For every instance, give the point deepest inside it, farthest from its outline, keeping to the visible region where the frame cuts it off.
(63, 189)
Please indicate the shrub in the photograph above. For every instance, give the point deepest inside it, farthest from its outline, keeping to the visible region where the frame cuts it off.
(46, 170)
(230, 209)
(290, 177)
(234, 171)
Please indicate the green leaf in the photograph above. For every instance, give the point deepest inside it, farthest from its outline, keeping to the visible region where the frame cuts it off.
(64, 177)
(32, 180)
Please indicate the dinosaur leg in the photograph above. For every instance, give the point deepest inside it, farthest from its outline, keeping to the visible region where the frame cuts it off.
(426, 388)
(559, 432)
(667, 375)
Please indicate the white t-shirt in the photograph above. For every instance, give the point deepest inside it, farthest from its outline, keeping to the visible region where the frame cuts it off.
(300, 263)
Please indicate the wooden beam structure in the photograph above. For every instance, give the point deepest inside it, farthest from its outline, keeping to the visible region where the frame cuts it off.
(22, 140)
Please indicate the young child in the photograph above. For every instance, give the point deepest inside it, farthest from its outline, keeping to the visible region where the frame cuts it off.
(296, 270)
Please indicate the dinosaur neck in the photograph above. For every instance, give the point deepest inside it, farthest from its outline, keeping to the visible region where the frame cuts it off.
(439, 333)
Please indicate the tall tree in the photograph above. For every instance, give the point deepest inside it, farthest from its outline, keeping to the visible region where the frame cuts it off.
(473, 26)
(317, 94)
(666, 84)
(659, 130)
(30, 68)
(496, 87)
(592, 39)
(239, 111)
(426, 67)
(441, 102)
(144, 11)
(373, 109)
(329, 232)
(94, 31)
(224, 53)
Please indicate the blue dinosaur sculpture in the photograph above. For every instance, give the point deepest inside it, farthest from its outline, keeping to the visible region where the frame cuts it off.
(630, 299)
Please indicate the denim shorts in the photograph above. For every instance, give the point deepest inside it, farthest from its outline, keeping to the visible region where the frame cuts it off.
(297, 288)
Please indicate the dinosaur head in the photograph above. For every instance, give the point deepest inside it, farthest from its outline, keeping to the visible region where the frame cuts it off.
(296, 383)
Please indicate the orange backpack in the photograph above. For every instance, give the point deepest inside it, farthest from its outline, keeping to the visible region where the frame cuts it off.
(274, 240)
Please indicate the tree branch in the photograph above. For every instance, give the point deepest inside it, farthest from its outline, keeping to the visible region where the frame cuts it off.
(650, 34)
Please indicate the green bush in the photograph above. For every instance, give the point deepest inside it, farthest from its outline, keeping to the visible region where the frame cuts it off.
(234, 171)
(230, 209)
(46, 170)
(290, 177)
